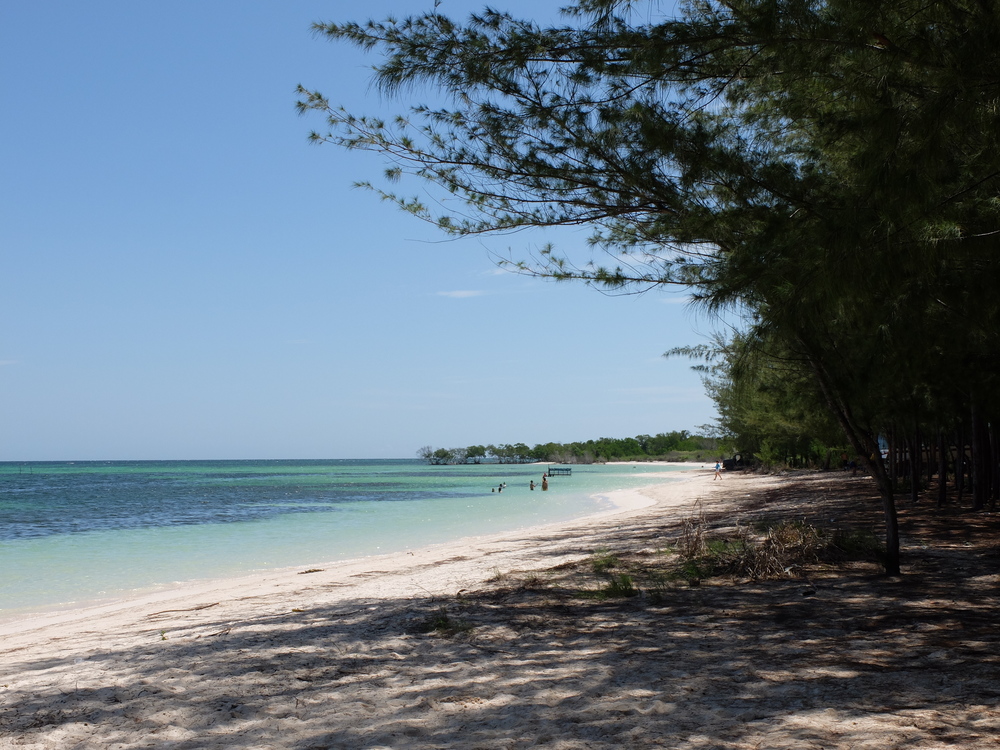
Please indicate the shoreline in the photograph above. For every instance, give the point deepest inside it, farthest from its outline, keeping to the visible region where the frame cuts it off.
(497, 642)
(624, 501)
(167, 577)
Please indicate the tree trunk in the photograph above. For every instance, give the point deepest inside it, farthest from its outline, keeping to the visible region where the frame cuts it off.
(884, 484)
(980, 462)
(893, 462)
(866, 446)
(929, 463)
(994, 466)
(960, 465)
(942, 470)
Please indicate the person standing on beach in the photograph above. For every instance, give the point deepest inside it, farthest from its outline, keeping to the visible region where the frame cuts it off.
(718, 471)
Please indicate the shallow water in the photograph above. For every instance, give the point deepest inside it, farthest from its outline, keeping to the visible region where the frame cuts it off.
(73, 533)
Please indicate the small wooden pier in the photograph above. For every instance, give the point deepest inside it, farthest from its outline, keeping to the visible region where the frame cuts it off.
(560, 471)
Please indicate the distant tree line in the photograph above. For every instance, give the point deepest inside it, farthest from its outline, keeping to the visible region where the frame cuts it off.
(665, 445)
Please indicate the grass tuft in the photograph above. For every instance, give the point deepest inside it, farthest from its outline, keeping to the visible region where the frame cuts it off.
(533, 581)
(603, 561)
(443, 623)
(620, 585)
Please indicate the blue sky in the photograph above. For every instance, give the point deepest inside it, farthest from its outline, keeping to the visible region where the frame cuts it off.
(186, 277)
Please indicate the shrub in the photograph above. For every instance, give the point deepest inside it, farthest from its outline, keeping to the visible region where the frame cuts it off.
(771, 553)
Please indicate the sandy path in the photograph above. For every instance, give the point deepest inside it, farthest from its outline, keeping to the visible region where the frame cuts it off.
(342, 658)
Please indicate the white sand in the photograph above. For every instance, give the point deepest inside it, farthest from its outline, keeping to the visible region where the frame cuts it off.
(338, 659)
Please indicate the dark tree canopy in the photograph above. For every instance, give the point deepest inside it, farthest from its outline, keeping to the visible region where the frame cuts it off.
(826, 169)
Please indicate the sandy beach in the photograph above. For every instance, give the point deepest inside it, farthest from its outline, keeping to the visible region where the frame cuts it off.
(499, 642)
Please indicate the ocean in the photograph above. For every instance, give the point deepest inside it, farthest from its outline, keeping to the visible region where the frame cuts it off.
(74, 533)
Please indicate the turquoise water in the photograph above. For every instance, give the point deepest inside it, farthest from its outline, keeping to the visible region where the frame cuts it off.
(73, 533)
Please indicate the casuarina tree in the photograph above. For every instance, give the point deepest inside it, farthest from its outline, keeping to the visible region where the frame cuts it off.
(825, 169)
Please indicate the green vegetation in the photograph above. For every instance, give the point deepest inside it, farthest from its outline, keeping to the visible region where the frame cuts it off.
(669, 446)
(497, 575)
(603, 561)
(617, 585)
(443, 623)
(825, 173)
(621, 585)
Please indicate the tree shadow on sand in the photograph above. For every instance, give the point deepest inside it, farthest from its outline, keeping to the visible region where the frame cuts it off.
(852, 660)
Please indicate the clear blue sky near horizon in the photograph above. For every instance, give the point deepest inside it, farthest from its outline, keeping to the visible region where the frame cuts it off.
(187, 278)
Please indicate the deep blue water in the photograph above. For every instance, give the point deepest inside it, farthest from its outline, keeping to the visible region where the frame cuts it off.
(42, 499)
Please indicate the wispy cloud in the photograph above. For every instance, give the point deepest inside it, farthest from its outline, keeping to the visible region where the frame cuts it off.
(461, 294)
(658, 391)
(677, 299)
(660, 395)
